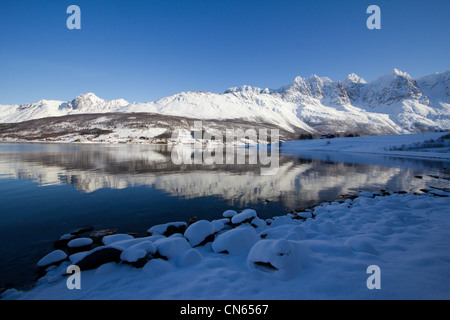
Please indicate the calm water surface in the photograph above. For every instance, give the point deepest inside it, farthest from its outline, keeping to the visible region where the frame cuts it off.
(47, 190)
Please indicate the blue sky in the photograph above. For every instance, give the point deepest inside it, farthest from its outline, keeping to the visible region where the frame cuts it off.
(144, 50)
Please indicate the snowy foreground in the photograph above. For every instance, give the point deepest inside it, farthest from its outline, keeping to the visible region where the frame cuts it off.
(319, 254)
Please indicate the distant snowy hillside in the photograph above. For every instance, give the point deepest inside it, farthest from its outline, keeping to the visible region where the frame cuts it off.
(390, 104)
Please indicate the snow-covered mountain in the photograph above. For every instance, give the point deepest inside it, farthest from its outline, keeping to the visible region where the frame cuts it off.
(392, 103)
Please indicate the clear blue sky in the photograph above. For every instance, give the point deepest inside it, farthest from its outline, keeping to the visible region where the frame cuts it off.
(143, 50)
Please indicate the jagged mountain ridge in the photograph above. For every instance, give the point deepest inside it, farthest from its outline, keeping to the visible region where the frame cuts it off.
(392, 103)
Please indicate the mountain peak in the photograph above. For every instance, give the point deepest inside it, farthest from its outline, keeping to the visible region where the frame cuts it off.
(396, 72)
(354, 78)
(88, 96)
(391, 76)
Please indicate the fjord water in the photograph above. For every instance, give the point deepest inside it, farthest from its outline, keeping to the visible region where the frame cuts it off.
(47, 190)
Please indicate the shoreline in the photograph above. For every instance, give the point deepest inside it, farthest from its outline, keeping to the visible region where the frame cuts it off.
(366, 145)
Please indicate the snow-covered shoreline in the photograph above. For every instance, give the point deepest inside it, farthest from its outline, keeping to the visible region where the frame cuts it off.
(318, 254)
(371, 145)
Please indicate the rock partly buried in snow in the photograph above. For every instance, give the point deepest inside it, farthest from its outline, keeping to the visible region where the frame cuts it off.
(278, 221)
(99, 256)
(229, 214)
(235, 241)
(53, 258)
(305, 215)
(258, 223)
(246, 215)
(189, 258)
(79, 244)
(138, 254)
(285, 231)
(171, 248)
(124, 244)
(200, 233)
(220, 224)
(76, 257)
(157, 267)
(284, 257)
(167, 229)
(107, 240)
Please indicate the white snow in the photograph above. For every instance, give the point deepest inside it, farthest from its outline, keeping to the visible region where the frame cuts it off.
(370, 145)
(325, 257)
(138, 251)
(219, 224)
(229, 213)
(107, 240)
(283, 257)
(124, 244)
(66, 236)
(235, 241)
(79, 242)
(189, 258)
(156, 268)
(172, 247)
(244, 215)
(52, 257)
(199, 231)
(161, 228)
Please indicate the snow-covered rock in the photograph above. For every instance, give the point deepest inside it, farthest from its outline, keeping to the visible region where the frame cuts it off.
(278, 221)
(80, 242)
(282, 256)
(115, 238)
(220, 224)
(258, 223)
(172, 248)
(235, 241)
(53, 257)
(157, 268)
(189, 258)
(245, 215)
(137, 254)
(99, 256)
(168, 228)
(229, 213)
(199, 232)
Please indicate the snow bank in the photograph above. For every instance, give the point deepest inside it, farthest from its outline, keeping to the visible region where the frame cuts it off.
(325, 256)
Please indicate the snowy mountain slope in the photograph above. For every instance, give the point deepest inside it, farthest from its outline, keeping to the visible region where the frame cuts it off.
(86, 103)
(115, 127)
(390, 104)
(246, 103)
